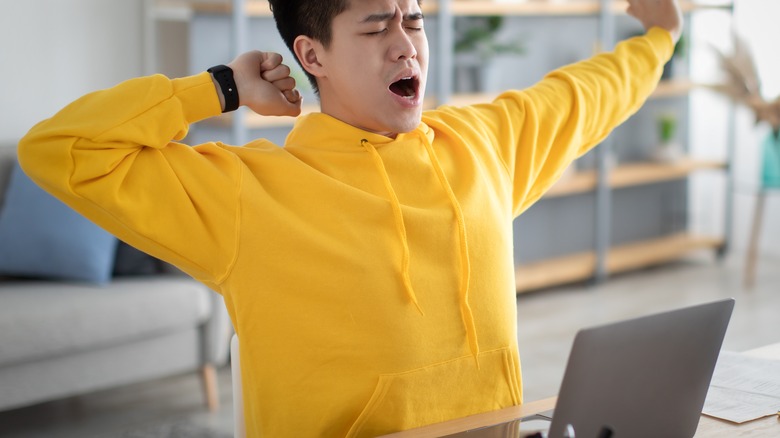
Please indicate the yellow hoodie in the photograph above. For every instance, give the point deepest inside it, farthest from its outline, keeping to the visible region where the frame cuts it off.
(370, 279)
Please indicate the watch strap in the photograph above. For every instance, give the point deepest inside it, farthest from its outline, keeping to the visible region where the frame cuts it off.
(224, 77)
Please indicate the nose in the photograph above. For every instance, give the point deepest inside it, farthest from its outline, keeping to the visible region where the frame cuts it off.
(402, 47)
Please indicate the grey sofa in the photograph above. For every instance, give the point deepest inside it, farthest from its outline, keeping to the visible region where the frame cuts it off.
(59, 339)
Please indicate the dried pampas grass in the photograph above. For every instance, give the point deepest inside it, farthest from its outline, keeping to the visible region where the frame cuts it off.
(743, 84)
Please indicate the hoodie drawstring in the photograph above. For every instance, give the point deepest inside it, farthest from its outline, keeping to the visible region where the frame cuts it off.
(465, 265)
(467, 315)
(399, 221)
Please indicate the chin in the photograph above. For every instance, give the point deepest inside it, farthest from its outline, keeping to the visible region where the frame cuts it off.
(402, 121)
(408, 127)
(408, 124)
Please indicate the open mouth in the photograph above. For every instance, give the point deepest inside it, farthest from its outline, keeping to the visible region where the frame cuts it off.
(406, 87)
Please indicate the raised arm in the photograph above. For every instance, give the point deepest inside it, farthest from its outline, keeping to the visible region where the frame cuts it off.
(539, 131)
(114, 156)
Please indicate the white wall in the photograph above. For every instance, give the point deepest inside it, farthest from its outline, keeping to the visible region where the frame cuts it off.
(53, 51)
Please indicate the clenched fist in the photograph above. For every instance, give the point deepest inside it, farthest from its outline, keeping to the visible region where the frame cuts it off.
(665, 14)
(264, 84)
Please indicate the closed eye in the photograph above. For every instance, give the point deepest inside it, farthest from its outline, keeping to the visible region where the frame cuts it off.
(379, 32)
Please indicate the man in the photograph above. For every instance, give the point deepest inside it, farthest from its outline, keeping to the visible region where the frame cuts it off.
(366, 265)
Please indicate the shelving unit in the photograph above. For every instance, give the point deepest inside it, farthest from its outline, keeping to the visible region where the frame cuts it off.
(600, 185)
(622, 258)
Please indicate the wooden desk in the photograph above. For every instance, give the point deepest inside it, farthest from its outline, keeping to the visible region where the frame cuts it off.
(476, 421)
(708, 427)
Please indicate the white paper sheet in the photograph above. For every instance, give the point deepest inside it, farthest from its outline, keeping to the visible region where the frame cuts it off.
(743, 388)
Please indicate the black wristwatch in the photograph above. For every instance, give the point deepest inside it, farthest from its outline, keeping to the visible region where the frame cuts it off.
(224, 76)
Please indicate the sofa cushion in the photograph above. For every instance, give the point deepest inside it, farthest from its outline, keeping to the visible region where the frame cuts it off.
(44, 319)
(42, 237)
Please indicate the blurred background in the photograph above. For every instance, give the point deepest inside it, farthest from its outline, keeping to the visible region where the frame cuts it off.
(662, 214)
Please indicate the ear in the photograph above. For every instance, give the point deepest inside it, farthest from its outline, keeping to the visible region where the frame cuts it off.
(309, 53)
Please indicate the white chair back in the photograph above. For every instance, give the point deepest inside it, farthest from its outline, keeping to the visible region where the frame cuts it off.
(239, 426)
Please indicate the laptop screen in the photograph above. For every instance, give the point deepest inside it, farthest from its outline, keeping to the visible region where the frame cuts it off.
(644, 377)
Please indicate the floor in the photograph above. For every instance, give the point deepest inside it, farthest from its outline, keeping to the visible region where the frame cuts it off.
(547, 323)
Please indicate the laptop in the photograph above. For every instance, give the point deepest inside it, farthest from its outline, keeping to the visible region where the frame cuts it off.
(643, 377)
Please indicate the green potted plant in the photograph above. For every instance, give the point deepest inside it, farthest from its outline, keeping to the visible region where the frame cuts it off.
(668, 150)
(476, 45)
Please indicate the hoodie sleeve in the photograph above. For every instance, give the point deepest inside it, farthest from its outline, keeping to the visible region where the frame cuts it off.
(539, 131)
(112, 156)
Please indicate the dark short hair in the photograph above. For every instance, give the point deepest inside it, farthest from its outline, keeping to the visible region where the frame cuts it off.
(312, 18)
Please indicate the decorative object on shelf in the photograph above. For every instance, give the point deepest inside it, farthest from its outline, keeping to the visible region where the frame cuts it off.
(476, 46)
(770, 180)
(668, 150)
(744, 87)
(770, 174)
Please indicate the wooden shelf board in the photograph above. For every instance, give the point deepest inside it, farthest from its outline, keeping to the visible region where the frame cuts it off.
(561, 8)
(488, 7)
(620, 6)
(635, 174)
(253, 8)
(578, 182)
(562, 270)
(257, 8)
(673, 88)
(582, 266)
(260, 8)
(700, 5)
(629, 175)
(172, 10)
(653, 252)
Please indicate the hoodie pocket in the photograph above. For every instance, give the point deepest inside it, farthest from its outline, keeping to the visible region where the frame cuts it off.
(440, 392)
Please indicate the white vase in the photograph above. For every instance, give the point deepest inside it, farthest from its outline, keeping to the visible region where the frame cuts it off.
(669, 152)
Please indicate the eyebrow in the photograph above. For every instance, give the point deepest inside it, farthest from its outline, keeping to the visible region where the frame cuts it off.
(382, 17)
